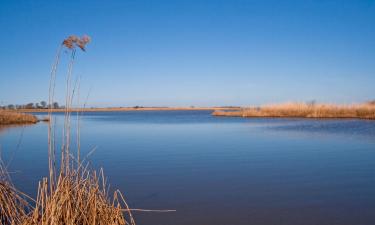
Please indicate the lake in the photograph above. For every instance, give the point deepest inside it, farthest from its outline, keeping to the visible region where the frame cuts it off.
(218, 170)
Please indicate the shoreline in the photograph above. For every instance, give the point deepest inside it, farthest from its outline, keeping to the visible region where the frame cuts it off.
(223, 114)
(125, 109)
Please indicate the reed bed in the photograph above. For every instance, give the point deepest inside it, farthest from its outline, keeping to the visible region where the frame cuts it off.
(78, 198)
(9, 118)
(304, 110)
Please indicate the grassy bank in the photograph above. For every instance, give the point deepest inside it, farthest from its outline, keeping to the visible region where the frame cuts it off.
(11, 118)
(303, 110)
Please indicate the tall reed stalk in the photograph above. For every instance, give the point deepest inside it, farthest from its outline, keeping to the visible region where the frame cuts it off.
(73, 194)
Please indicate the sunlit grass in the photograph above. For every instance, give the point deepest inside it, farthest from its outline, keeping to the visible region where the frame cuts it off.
(305, 110)
(10, 118)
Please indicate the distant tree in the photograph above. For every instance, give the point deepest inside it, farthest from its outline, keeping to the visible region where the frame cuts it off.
(55, 105)
(43, 104)
(311, 103)
(29, 106)
(10, 106)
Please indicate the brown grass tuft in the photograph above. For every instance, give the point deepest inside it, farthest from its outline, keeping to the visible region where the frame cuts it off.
(9, 117)
(13, 206)
(78, 199)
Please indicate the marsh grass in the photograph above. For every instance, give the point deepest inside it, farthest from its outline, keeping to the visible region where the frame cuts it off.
(305, 110)
(78, 198)
(13, 204)
(11, 118)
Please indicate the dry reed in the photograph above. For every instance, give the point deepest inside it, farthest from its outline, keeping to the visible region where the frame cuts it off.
(304, 110)
(13, 206)
(73, 193)
(79, 198)
(9, 118)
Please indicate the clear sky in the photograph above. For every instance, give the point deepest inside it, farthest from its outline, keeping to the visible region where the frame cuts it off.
(182, 53)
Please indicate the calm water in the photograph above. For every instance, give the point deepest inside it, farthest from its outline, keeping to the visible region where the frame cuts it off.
(220, 170)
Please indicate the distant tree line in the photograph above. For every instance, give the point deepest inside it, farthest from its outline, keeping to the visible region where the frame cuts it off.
(39, 105)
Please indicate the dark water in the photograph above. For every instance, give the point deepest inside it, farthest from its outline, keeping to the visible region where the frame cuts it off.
(216, 170)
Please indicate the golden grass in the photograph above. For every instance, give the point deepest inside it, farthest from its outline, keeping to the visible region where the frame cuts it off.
(13, 205)
(78, 198)
(303, 110)
(9, 118)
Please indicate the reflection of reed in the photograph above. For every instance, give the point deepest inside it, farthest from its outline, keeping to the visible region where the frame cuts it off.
(4, 128)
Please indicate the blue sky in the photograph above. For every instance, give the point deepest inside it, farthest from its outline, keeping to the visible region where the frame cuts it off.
(202, 53)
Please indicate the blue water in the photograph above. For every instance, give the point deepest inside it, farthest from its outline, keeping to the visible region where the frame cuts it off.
(217, 170)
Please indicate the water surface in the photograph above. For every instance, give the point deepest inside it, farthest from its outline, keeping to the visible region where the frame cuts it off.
(219, 170)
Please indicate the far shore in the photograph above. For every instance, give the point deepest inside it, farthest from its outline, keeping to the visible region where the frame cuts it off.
(23, 116)
(291, 110)
(120, 109)
(304, 110)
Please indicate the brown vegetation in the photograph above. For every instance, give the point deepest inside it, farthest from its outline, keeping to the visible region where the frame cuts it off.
(304, 110)
(9, 118)
(13, 205)
(79, 197)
